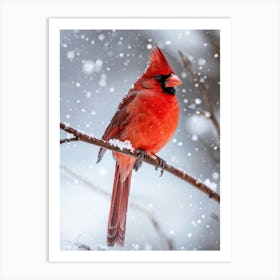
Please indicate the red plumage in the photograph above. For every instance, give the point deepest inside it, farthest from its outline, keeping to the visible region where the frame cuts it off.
(147, 116)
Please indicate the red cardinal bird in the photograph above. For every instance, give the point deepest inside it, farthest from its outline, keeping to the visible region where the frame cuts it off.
(147, 116)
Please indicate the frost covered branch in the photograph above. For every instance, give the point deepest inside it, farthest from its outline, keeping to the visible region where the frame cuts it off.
(203, 91)
(150, 160)
(151, 217)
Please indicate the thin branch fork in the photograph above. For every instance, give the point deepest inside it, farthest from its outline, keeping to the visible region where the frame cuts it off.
(203, 91)
(136, 154)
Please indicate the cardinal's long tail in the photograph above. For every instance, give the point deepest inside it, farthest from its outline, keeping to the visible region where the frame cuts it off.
(118, 209)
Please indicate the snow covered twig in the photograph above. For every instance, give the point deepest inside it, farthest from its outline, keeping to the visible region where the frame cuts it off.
(150, 160)
(203, 91)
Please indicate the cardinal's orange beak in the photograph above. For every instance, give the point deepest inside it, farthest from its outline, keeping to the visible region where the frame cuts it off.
(173, 81)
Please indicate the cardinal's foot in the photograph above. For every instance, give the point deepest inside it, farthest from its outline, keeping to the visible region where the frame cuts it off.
(137, 164)
(141, 155)
(161, 164)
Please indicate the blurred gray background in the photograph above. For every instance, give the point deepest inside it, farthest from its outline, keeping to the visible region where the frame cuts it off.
(97, 68)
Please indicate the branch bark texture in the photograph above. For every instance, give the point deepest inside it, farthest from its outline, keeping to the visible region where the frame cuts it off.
(136, 154)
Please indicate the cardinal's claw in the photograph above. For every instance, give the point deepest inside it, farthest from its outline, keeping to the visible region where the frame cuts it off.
(161, 164)
(137, 164)
(141, 154)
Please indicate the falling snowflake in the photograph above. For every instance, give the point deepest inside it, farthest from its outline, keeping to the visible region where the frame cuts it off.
(215, 175)
(201, 61)
(101, 37)
(88, 67)
(149, 46)
(184, 75)
(194, 137)
(70, 55)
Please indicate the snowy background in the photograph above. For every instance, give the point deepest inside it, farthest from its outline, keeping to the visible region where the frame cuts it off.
(97, 68)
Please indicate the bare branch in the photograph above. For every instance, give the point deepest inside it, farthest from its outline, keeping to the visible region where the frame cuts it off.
(214, 42)
(203, 91)
(150, 160)
(151, 217)
(215, 217)
(66, 140)
(83, 246)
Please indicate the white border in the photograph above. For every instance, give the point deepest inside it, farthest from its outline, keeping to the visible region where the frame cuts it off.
(55, 254)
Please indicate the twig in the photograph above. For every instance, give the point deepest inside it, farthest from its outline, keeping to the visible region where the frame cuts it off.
(149, 214)
(62, 141)
(83, 246)
(215, 217)
(79, 245)
(150, 160)
(203, 91)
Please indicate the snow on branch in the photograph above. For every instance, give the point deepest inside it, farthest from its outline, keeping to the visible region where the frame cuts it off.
(155, 161)
(188, 65)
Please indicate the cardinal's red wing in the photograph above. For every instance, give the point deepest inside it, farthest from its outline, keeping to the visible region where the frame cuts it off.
(120, 119)
(118, 122)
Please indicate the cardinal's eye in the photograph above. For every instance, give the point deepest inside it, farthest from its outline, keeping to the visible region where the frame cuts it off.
(158, 77)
